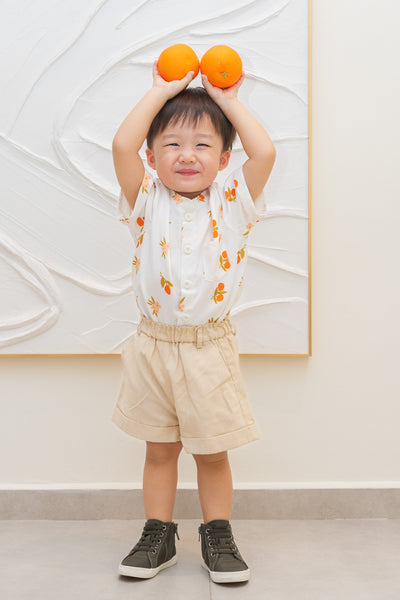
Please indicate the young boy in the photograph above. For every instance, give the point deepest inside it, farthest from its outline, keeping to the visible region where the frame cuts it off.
(182, 385)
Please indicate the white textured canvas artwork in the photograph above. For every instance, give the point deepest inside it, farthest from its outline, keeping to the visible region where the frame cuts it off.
(70, 72)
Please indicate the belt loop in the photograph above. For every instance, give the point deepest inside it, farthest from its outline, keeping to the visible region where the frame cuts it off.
(199, 337)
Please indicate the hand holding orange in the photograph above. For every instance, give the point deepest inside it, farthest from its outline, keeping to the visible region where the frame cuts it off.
(221, 64)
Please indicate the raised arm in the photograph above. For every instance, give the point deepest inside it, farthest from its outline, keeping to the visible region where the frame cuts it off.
(255, 140)
(132, 133)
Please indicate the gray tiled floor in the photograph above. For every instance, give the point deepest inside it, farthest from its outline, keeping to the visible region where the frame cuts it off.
(296, 560)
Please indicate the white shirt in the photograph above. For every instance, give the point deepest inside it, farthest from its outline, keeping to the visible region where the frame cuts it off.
(190, 254)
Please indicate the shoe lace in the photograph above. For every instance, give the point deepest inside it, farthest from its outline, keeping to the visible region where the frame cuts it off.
(151, 538)
(220, 540)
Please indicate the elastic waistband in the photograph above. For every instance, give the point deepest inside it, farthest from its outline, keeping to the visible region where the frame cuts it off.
(198, 334)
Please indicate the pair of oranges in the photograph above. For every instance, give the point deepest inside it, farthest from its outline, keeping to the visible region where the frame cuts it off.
(221, 64)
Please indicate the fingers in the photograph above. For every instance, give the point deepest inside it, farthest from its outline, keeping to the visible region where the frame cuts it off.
(175, 82)
(170, 88)
(155, 68)
(207, 85)
(188, 78)
(239, 83)
(180, 84)
(214, 89)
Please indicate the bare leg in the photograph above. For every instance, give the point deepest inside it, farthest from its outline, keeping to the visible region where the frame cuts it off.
(214, 480)
(160, 477)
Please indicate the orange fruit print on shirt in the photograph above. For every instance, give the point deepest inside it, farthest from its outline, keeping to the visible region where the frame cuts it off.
(176, 61)
(222, 65)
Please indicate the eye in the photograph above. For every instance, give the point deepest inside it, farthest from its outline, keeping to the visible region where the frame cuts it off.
(173, 144)
(204, 145)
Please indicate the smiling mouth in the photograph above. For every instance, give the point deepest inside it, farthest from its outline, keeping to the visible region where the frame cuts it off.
(187, 172)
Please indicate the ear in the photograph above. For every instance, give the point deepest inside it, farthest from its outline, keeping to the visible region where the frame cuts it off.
(224, 160)
(151, 161)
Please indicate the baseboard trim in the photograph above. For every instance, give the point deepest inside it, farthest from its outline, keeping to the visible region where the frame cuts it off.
(88, 504)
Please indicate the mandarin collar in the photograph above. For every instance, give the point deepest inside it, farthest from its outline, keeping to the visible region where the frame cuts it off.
(179, 199)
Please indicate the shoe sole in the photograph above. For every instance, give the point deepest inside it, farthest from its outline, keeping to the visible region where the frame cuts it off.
(142, 572)
(227, 576)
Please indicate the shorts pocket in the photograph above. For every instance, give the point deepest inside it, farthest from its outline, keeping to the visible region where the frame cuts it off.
(135, 358)
(146, 396)
(205, 369)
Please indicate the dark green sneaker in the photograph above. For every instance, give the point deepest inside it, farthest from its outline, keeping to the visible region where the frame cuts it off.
(154, 551)
(220, 554)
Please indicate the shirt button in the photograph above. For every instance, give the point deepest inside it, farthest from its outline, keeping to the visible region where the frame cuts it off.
(188, 216)
(187, 249)
(187, 284)
(185, 318)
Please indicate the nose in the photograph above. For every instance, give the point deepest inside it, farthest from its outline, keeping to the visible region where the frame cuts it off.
(187, 155)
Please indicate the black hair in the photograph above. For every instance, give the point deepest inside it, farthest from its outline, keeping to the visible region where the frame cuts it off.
(191, 105)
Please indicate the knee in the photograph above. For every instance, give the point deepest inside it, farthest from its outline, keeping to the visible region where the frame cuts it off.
(161, 453)
(211, 460)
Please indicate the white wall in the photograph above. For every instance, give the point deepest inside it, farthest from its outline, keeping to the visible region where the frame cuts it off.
(332, 417)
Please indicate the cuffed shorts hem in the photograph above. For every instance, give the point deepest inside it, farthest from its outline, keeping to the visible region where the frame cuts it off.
(208, 445)
(221, 443)
(149, 433)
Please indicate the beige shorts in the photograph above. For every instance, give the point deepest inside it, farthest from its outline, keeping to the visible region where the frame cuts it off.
(184, 383)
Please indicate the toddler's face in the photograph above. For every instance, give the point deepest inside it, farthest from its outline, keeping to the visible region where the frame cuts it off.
(188, 157)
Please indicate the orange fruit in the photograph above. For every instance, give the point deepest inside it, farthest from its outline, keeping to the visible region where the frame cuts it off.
(176, 61)
(222, 65)
(220, 286)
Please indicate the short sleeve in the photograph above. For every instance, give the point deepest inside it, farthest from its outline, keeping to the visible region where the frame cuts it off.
(135, 218)
(239, 207)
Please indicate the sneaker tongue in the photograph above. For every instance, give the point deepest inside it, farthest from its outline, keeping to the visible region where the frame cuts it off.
(218, 523)
(154, 522)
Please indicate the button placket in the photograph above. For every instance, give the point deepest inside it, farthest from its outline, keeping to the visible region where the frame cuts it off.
(188, 241)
